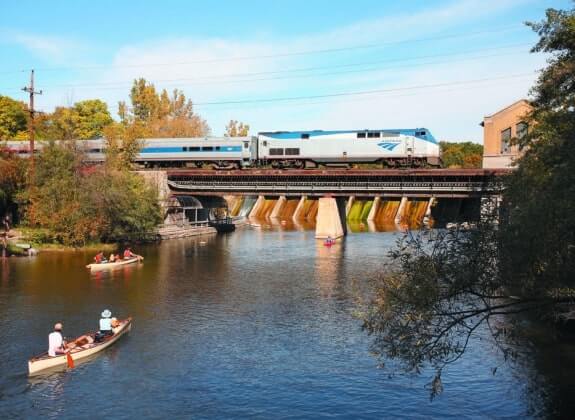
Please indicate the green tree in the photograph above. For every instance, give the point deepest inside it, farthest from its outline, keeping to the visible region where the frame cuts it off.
(447, 286)
(83, 121)
(237, 129)
(90, 118)
(13, 118)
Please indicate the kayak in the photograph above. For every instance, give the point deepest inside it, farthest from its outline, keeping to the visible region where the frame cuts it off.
(107, 265)
(44, 361)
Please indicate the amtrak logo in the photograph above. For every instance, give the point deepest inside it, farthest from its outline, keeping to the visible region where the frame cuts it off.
(388, 145)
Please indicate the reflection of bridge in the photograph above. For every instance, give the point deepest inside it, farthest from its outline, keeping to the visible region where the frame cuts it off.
(328, 197)
(386, 183)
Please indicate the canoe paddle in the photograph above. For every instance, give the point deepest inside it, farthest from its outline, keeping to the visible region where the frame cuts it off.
(69, 360)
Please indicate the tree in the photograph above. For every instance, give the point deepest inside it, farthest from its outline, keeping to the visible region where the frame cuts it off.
(77, 204)
(12, 181)
(13, 118)
(145, 101)
(237, 129)
(447, 286)
(461, 155)
(123, 144)
(162, 115)
(90, 118)
(83, 121)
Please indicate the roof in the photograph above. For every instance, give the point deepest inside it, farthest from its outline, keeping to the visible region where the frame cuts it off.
(508, 107)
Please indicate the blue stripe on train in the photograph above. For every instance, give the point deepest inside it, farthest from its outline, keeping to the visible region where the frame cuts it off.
(180, 149)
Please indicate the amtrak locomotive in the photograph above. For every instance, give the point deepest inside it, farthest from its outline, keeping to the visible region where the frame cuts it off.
(280, 149)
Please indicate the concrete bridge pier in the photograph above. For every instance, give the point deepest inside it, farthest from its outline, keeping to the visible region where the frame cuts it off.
(427, 216)
(331, 220)
(374, 209)
(298, 213)
(400, 211)
(349, 204)
(256, 208)
(278, 207)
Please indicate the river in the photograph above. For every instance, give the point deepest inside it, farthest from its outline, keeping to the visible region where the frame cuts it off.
(253, 324)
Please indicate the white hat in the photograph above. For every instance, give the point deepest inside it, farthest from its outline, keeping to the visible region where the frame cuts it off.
(58, 326)
(106, 313)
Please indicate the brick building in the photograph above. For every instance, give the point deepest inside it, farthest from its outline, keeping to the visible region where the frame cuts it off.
(499, 129)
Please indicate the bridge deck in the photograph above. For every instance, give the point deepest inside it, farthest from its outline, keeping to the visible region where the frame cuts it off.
(360, 182)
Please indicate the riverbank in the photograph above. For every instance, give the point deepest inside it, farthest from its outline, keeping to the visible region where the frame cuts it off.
(23, 238)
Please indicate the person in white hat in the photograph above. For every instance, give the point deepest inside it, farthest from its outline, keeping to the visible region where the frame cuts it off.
(106, 323)
(56, 343)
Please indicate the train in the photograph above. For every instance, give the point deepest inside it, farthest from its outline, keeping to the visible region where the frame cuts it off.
(279, 149)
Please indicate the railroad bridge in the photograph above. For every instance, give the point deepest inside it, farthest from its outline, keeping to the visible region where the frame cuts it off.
(333, 197)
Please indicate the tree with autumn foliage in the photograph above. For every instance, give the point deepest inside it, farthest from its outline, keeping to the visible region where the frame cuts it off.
(461, 155)
(75, 203)
(237, 129)
(160, 114)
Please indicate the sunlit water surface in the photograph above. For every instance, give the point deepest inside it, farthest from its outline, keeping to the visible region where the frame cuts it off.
(258, 324)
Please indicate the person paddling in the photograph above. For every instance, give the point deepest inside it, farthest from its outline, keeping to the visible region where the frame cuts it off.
(56, 343)
(129, 254)
(106, 323)
(99, 258)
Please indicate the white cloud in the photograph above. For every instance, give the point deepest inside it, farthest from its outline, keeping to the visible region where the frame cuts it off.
(53, 49)
(455, 112)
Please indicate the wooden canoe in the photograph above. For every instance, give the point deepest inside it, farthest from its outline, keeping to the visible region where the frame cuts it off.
(44, 361)
(108, 265)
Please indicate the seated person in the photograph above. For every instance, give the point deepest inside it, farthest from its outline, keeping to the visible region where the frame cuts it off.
(129, 254)
(56, 343)
(112, 257)
(106, 323)
(99, 258)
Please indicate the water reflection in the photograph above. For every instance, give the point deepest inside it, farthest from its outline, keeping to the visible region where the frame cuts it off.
(252, 324)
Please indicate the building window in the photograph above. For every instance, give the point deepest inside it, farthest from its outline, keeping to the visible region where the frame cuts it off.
(207, 149)
(276, 151)
(217, 148)
(521, 129)
(360, 135)
(292, 151)
(193, 149)
(305, 136)
(506, 140)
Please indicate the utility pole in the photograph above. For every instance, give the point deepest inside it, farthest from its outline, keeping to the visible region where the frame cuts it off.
(31, 128)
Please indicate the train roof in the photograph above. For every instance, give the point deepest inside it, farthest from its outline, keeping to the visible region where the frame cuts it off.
(417, 132)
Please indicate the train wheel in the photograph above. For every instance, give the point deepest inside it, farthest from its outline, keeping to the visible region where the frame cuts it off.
(298, 164)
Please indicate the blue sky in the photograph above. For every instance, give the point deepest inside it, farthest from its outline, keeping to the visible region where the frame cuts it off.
(436, 64)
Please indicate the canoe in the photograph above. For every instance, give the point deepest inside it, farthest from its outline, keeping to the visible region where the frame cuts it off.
(44, 361)
(108, 265)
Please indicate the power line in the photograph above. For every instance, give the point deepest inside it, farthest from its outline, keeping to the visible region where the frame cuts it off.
(222, 78)
(507, 28)
(357, 93)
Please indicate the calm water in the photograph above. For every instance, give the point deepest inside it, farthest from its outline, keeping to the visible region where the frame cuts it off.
(254, 324)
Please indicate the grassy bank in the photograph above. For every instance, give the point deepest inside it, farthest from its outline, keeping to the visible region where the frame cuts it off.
(43, 240)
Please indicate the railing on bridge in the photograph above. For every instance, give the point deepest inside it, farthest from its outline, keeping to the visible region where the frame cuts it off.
(421, 183)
